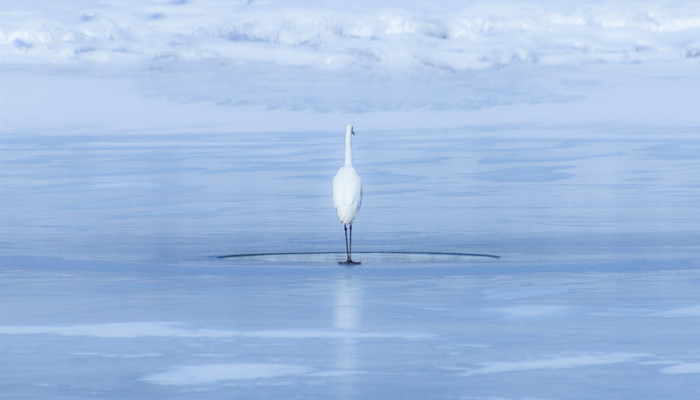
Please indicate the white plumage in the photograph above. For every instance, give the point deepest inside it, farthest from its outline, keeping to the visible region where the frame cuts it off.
(347, 193)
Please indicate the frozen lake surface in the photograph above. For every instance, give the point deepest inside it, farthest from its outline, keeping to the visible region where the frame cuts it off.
(300, 330)
(555, 143)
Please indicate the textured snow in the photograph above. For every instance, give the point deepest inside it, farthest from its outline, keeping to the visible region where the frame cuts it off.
(324, 35)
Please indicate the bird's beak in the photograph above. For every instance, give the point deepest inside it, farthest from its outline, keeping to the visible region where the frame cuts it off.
(352, 131)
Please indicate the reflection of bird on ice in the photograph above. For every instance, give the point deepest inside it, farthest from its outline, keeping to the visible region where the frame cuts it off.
(347, 194)
(347, 313)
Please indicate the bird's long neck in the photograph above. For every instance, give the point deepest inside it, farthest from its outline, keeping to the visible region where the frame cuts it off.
(348, 150)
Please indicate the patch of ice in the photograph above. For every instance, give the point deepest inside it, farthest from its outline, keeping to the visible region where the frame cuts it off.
(114, 330)
(530, 310)
(215, 373)
(682, 312)
(687, 368)
(124, 356)
(556, 363)
(170, 329)
(336, 373)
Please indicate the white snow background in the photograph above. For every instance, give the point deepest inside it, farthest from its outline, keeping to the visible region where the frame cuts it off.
(141, 139)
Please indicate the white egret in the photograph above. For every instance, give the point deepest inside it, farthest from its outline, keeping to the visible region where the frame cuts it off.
(347, 194)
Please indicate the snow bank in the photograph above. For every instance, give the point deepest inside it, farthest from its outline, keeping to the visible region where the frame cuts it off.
(370, 35)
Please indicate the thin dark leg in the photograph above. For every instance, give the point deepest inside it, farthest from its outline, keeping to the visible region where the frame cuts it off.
(350, 250)
(347, 248)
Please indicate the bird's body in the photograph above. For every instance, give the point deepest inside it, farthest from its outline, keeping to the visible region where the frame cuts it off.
(347, 193)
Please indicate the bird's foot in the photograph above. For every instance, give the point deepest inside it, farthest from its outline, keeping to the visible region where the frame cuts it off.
(349, 261)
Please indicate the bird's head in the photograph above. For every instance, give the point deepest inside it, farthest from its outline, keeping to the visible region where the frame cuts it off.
(349, 129)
